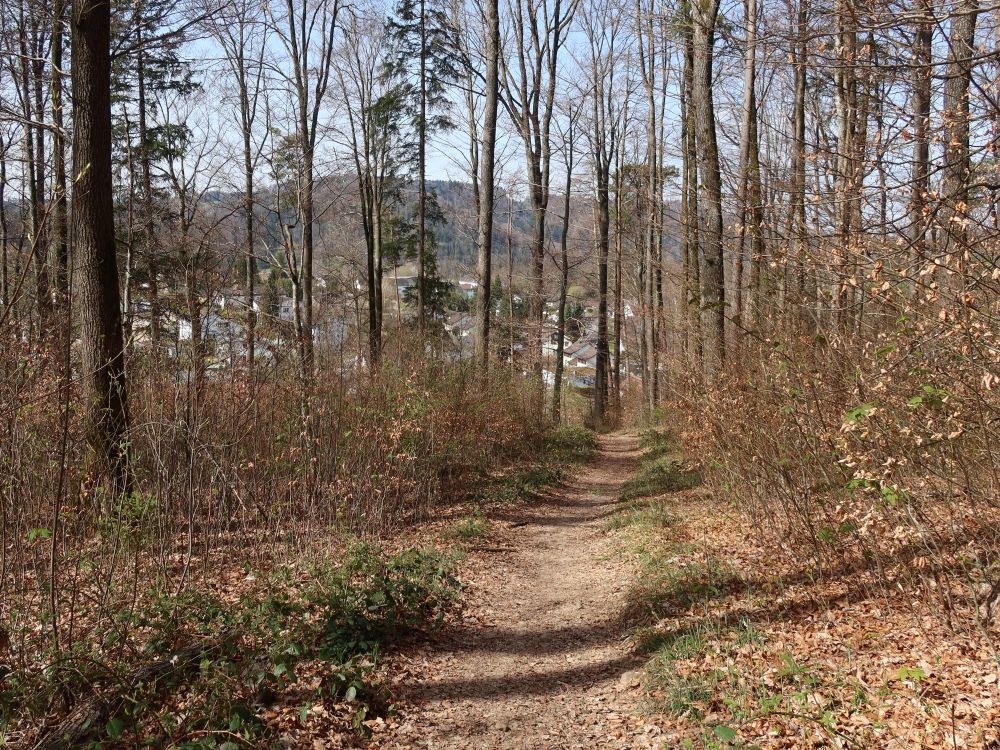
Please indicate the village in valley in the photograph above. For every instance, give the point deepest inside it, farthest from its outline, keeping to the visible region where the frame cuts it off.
(222, 328)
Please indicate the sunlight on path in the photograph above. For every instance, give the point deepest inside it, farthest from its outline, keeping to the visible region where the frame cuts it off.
(542, 659)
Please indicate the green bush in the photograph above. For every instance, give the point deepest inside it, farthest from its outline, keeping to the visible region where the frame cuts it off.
(373, 599)
(343, 614)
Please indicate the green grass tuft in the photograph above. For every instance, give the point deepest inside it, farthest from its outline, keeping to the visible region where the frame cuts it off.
(659, 477)
(570, 444)
(472, 526)
(649, 514)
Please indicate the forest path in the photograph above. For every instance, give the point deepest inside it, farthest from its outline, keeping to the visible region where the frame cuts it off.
(541, 658)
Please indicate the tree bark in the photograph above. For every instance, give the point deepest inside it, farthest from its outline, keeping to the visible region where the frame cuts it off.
(957, 166)
(921, 105)
(713, 295)
(749, 207)
(103, 373)
(487, 187)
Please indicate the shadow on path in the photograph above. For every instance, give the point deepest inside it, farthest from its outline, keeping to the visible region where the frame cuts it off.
(557, 643)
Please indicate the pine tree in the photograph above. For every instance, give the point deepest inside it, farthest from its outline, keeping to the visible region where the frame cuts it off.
(426, 53)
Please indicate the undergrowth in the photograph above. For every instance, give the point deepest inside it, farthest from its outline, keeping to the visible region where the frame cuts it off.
(661, 470)
(317, 633)
(470, 527)
(558, 450)
(717, 674)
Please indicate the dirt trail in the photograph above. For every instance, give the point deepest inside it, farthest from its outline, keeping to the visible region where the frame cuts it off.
(541, 659)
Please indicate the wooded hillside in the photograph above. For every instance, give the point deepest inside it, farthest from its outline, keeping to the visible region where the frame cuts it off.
(307, 309)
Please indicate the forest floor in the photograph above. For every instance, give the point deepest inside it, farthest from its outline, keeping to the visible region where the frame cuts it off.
(542, 656)
(619, 603)
(633, 607)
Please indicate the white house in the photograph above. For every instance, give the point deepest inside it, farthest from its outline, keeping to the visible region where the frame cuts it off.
(468, 287)
(213, 327)
(286, 307)
(585, 356)
(571, 351)
(459, 324)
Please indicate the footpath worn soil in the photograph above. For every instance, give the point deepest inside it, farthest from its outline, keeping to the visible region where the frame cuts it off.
(541, 658)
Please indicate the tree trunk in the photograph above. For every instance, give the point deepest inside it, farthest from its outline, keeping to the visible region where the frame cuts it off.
(799, 246)
(651, 241)
(4, 231)
(957, 168)
(487, 187)
(692, 237)
(846, 89)
(60, 220)
(103, 372)
(713, 295)
(248, 221)
(422, 175)
(603, 222)
(30, 50)
(563, 284)
(749, 206)
(151, 244)
(619, 303)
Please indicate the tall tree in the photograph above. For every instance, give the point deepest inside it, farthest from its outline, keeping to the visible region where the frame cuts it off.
(704, 15)
(602, 31)
(530, 72)
(59, 233)
(486, 203)
(147, 61)
(749, 207)
(651, 234)
(569, 144)
(923, 32)
(691, 287)
(103, 371)
(798, 228)
(380, 147)
(307, 30)
(33, 37)
(425, 50)
(243, 37)
(848, 146)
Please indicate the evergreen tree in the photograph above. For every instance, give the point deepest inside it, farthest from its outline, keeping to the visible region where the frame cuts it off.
(405, 246)
(426, 53)
(269, 302)
(146, 65)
